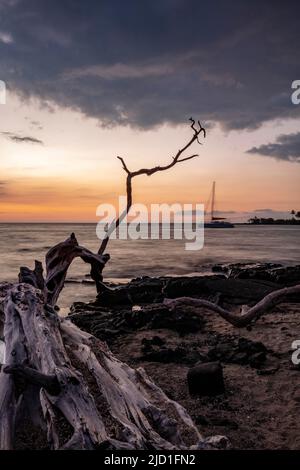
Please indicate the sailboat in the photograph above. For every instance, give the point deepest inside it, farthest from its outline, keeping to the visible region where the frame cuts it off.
(216, 222)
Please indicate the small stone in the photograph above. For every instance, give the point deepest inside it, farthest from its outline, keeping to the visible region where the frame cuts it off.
(257, 359)
(218, 442)
(267, 371)
(240, 358)
(158, 341)
(202, 420)
(206, 379)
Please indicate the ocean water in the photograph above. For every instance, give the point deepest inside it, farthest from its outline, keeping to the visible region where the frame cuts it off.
(21, 244)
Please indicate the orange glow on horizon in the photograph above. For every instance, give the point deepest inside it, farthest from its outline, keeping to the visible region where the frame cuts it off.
(76, 169)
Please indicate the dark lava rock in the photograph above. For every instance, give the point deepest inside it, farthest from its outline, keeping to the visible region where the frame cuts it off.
(108, 323)
(155, 341)
(189, 286)
(206, 379)
(243, 287)
(233, 268)
(272, 272)
(164, 355)
(202, 420)
(257, 359)
(140, 290)
(156, 350)
(232, 291)
(287, 276)
(267, 371)
(182, 320)
(239, 351)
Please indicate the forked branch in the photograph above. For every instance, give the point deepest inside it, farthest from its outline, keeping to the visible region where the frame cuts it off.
(253, 313)
(197, 131)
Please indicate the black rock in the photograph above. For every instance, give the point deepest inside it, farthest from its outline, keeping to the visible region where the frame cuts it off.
(155, 349)
(228, 423)
(267, 371)
(201, 419)
(240, 358)
(272, 272)
(251, 347)
(163, 354)
(147, 343)
(206, 379)
(242, 351)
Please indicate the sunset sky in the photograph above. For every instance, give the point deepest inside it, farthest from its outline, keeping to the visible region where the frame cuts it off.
(87, 81)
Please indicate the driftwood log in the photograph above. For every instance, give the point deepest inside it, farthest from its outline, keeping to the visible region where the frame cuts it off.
(68, 384)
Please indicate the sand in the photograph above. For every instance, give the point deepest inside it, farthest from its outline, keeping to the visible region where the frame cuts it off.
(259, 409)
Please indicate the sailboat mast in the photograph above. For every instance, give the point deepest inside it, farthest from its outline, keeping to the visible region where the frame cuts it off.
(213, 200)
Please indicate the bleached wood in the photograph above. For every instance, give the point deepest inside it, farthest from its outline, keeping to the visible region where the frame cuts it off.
(101, 400)
(58, 260)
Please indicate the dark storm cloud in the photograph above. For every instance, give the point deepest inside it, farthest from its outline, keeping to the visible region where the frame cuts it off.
(20, 139)
(146, 63)
(286, 147)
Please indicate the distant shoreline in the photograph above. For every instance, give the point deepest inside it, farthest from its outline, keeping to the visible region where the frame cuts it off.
(293, 224)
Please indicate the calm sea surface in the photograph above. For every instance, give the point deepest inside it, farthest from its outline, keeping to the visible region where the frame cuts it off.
(20, 244)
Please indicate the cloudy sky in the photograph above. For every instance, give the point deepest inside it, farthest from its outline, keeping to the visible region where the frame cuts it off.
(87, 81)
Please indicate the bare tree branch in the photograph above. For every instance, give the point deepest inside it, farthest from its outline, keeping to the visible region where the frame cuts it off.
(124, 164)
(253, 313)
(150, 171)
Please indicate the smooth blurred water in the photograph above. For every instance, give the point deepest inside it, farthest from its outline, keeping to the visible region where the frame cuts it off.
(20, 244)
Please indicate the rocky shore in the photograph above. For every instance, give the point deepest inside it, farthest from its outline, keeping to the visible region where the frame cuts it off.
(260, 402)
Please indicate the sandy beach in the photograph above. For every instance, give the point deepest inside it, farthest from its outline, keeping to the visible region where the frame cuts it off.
(260, 406)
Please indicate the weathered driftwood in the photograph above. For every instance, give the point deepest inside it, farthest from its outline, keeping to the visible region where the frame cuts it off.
(58, 260)
(248, 314)
(84, 397)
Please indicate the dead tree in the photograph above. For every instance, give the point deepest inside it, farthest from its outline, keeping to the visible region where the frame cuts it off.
(248, 314)
(178, 158)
